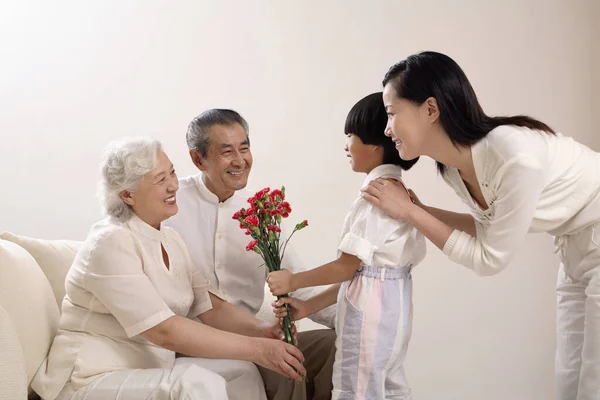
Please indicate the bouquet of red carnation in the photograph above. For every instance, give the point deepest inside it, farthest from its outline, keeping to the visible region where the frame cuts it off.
(262, 221)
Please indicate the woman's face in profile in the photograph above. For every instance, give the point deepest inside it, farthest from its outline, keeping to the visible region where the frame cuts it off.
(154, 199)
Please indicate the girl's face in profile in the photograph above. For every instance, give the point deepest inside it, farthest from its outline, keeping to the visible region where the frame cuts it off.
(363, 157)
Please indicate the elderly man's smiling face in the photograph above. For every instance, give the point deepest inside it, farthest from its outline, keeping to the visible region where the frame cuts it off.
(228, 161)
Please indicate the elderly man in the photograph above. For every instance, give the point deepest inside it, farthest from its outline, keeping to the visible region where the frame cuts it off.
(220, 147)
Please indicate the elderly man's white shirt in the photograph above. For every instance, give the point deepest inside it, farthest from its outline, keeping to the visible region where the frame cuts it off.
(218, 247)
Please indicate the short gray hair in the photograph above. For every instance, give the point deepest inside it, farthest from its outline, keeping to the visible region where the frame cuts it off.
(124, 164)
(198, 132)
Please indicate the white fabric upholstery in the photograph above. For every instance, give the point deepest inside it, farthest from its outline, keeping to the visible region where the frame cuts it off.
(53, 256)
(13, 378)
(266, 310)
(30, 306)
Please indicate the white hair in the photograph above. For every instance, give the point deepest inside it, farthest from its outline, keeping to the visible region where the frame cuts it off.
(124, 164)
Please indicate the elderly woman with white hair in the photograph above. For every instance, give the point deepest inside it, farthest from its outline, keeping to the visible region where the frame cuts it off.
(130, 296)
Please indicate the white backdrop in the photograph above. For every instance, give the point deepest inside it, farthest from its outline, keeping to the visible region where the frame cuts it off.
(74, 75)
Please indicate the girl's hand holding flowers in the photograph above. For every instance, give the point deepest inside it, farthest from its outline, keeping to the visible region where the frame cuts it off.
(280, 282)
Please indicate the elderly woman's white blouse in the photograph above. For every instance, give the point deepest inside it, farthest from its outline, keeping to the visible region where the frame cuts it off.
(117, 288)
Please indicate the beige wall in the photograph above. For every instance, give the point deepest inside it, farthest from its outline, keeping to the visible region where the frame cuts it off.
(75, 75)
(595, 34)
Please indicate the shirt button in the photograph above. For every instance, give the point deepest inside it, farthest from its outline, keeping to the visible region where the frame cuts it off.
(219, 266)
(220, 236)
(220, 205)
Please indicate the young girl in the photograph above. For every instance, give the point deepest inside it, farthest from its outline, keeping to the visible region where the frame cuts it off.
(376, 255)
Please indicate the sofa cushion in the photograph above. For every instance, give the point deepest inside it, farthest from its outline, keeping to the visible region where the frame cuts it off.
(28, 301)
(13, 378)
(53, 256)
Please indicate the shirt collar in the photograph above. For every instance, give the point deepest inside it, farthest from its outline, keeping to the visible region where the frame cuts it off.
(136, 224)
(204, 192)
(383, 171)
(210, 196)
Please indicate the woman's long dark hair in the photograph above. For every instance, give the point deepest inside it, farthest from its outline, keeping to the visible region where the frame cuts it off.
(430, 74)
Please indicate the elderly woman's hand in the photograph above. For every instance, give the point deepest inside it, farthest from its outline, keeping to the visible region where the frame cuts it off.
(280, 357)
(391, 196)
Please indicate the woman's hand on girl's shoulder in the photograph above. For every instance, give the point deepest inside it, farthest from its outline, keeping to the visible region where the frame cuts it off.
(391, 196)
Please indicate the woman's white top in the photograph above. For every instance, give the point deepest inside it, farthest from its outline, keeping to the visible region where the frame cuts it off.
(532, 181)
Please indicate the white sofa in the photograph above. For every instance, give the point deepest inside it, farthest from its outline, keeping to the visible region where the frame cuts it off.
(32, 274)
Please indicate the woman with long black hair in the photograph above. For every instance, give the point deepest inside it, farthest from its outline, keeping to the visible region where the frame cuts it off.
(518, 176)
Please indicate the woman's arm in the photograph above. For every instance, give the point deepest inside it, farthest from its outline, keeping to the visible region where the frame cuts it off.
(392, 198)
(188, 337)
(459, 221)
(432, 228)
(191, 338)
(227, 317)
(520, 182)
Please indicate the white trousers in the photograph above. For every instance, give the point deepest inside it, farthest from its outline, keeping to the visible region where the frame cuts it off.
(373, 326)
(578, 316)
(189, 379)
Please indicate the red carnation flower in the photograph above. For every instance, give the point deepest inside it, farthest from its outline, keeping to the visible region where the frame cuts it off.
(261, 193)
(277, 193)
(251, 220)
(251, 245)
(252, 210)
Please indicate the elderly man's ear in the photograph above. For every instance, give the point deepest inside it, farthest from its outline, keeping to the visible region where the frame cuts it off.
(198, 160)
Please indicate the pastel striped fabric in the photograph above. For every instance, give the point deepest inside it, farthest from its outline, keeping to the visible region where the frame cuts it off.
(374, 323)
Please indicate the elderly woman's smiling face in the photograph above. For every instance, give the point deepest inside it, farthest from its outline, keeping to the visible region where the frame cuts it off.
(154, 199)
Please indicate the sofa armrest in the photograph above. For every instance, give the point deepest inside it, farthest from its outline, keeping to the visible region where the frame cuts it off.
(13, 378)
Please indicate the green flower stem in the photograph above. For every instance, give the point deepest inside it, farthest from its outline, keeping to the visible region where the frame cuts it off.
(287, 323)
